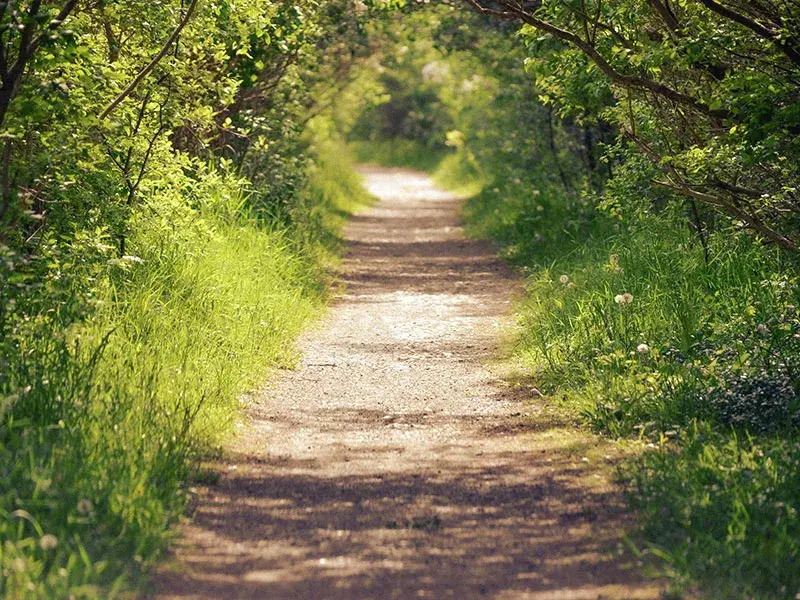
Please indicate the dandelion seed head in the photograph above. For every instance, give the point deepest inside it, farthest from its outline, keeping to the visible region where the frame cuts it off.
(628, 298)
(571, 286)
(564, 279)
(643, 348)
(619, 299)
(48, 541)
(85, 507)
(762, 329)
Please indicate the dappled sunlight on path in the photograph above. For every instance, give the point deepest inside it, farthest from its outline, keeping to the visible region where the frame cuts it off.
(392, 463)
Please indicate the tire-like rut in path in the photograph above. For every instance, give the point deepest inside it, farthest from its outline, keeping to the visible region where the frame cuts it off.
(392, 463)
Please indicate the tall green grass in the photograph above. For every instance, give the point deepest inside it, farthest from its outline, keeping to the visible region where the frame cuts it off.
(111, 411)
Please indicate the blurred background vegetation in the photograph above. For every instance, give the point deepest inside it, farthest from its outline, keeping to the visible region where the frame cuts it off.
(173, 175)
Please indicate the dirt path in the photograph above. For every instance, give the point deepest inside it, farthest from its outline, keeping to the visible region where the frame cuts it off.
(393, 464)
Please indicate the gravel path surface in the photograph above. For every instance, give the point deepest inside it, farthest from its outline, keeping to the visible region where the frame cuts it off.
(393, 463)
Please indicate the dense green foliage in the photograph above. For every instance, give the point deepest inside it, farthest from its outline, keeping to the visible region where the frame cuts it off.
(170, 196)
(650, 313)
(706, 90)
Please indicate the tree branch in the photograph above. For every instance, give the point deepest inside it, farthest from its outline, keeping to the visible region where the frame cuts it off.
(153, 63)
(765, 32)
(516, 12)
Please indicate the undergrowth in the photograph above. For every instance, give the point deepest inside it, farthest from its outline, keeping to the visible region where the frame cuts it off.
(112, 391)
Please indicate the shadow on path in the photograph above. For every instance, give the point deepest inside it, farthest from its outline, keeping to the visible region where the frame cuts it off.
(393, 463)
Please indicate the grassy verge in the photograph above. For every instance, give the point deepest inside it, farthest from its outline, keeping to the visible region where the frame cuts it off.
(111, 411)
(634, 327)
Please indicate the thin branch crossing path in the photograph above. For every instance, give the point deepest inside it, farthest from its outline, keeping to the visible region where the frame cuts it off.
(393, 463)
